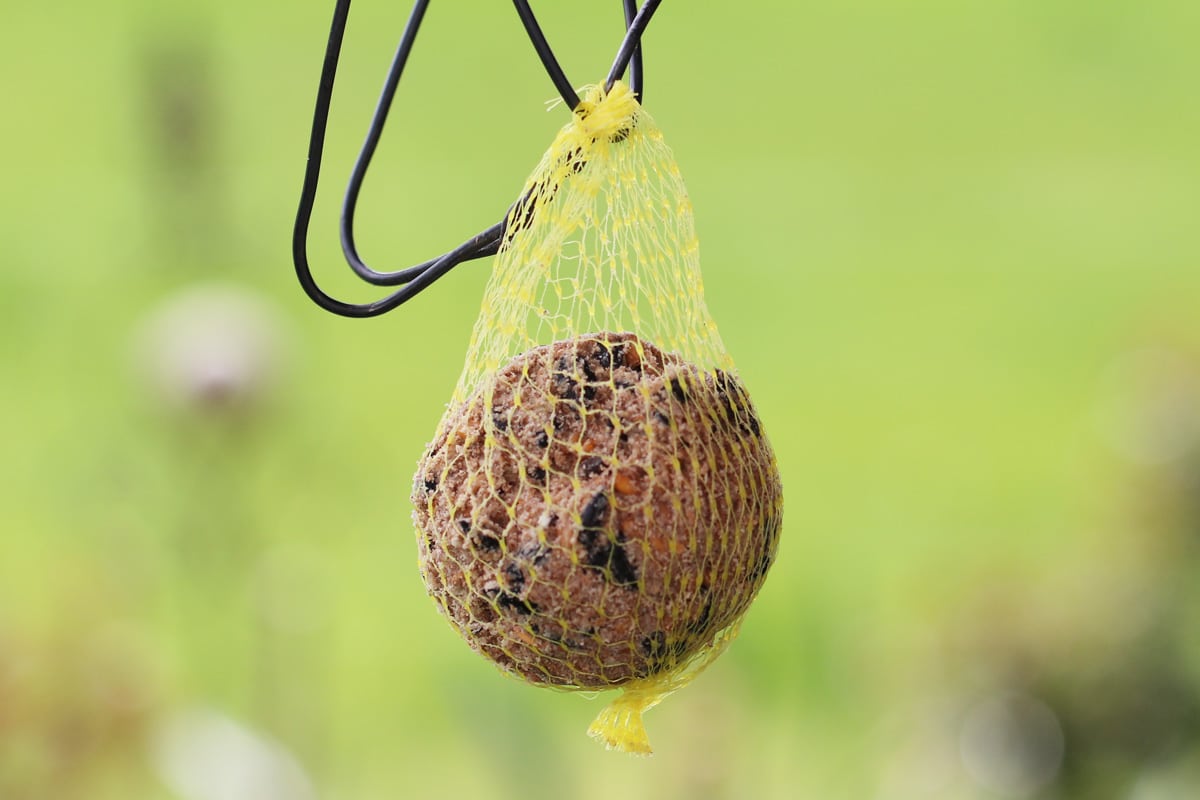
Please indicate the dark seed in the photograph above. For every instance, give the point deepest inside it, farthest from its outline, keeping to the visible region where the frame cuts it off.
(464, 525)
(500, 421)
(677, 390)
(602, 552)
(541, 439)
(537, 476)
(431, 484)
(654, 644)
(534, 552)
(514, 577)
(654, 648)
(724, 386)
(566, 387)
(591, 466)
(623, 573)
(595, 512)
(760, 569)
(724, 382)
(751, 425)
(585, 364)
(511, 601)
(737, 407)
(564, 413)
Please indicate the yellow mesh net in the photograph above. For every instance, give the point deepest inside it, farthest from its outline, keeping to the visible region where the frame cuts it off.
(599, 505)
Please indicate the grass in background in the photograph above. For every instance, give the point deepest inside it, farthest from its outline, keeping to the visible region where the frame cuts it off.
(947, 247)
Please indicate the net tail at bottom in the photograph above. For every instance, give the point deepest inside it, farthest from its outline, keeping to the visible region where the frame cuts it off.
(619, 725)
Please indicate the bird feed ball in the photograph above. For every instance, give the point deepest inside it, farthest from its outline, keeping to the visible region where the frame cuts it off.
(599, 514)
(599, 504)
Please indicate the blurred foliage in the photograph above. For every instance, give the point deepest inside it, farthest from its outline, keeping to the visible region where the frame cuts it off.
(952, 247)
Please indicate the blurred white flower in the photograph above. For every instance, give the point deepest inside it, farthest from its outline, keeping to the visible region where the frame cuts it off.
(1011, 743)
(212, 347)
(204, 755)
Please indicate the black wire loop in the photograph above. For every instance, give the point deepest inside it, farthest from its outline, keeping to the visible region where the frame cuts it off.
(418, 277)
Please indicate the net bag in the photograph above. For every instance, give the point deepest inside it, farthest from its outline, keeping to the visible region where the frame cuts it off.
(600, 504)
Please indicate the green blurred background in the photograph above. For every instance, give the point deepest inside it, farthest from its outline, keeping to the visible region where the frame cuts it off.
(954, 248)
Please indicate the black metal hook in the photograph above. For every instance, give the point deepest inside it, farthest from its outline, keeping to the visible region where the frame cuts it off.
(414, 279)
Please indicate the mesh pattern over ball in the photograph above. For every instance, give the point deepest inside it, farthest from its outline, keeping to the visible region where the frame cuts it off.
(598, 512)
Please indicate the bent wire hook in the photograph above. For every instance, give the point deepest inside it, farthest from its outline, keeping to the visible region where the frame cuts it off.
(485, 243)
